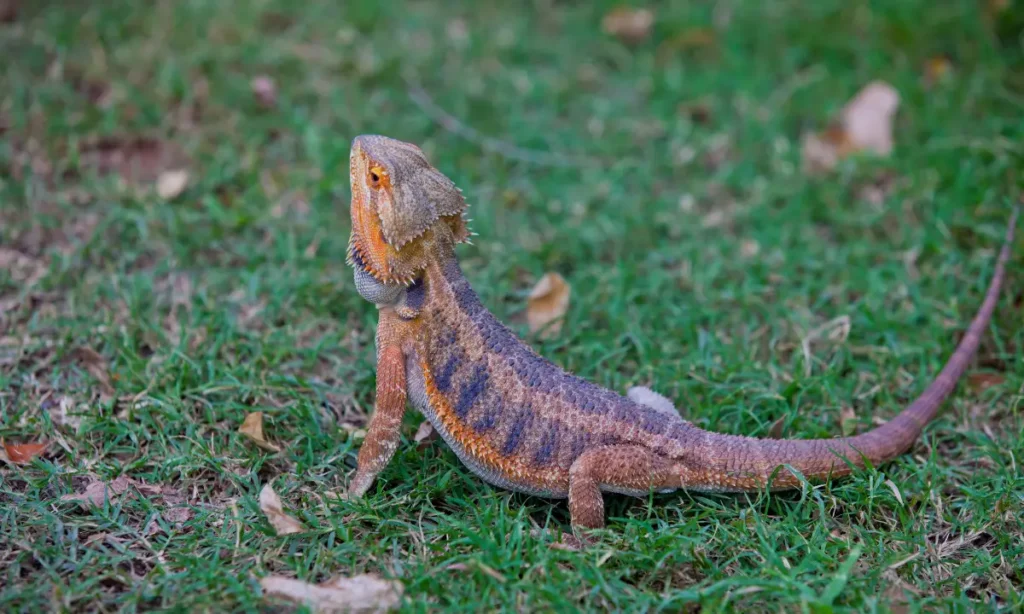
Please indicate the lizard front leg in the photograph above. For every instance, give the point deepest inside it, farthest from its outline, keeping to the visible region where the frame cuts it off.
(384, 432)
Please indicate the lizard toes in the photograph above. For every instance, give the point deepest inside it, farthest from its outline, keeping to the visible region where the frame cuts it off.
(565, 541)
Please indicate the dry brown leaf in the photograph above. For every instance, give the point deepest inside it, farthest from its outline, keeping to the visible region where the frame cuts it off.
(425, 434)
(936, 69)
(981, 381)
(490, 571)
(96, 365)
(775, 431)
(20, 267)
(23, 453)
(629, 25)
(97, 491)
(868, 118)
(177, 515)
(895, 490)
(547, 305)
(252, 427)
(365, 593)
(136, 159)
(847, 420)
(865, 125)
(822, 152)
(878, 188)
(60, 416)
(264, 90)
(171, 183)
(749, 248)
(270, 504)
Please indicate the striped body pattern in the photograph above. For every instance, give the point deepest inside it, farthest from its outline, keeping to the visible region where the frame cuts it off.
(517, 419)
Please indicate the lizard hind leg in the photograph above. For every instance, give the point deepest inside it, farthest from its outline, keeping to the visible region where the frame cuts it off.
(624, 469)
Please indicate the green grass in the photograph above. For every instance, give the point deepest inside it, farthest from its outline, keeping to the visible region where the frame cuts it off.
(234, 297)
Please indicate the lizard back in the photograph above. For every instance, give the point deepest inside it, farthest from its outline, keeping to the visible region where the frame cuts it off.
(510, 414)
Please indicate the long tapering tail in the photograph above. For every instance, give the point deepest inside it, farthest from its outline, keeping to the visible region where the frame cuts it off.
(728, 462)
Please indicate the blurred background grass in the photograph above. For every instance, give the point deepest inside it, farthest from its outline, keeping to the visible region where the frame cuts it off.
(699, 252)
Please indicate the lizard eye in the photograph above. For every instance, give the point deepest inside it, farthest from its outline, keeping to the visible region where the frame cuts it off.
(375, 176)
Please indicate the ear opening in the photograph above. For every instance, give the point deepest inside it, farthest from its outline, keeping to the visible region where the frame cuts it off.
(458, 226)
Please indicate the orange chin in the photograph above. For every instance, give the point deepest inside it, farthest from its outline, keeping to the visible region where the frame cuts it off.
(367, 242)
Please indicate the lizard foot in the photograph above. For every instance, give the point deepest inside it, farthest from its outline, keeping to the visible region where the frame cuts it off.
(566, 541)
(570, 543)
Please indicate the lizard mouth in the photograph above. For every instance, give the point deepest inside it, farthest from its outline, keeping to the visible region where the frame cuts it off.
(360, 258)
(367, 249)
(376, 262)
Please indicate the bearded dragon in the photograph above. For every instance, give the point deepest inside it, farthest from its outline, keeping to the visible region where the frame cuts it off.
(519, 421)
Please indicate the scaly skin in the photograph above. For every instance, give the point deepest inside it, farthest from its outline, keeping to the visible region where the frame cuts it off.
(519, 421)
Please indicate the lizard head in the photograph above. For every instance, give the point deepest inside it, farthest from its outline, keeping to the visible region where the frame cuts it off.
(403, 209)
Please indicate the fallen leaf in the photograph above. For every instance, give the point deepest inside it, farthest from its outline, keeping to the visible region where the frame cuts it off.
(23, 453)
(169, 184)
(982, 381)
(775, 431)
(177, 515)
(20, 267)
(749, 248)
(425, 434)
(936, 69)
(865, 125)
(847, 420)
(270, 504)
(252, 427)
(877, 189)
(547, 304)
(97, 491)
(96, 365)
(136, 159)
(264, 90)
(868, 118)
(364, 593)
(490, 571)
(60, 416)
(821, 152)
(629, 25)
(895, 490)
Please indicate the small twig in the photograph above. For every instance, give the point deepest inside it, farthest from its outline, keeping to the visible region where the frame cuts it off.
(456, 126)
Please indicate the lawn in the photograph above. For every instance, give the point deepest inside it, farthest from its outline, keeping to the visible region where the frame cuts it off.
(662, 178)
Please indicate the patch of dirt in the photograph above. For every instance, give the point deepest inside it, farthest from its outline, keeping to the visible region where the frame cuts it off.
(137, 159)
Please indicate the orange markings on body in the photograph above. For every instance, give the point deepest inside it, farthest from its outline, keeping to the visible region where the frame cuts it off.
(480, 448)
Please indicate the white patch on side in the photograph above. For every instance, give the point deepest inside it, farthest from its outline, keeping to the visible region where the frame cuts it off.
(649, 398)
